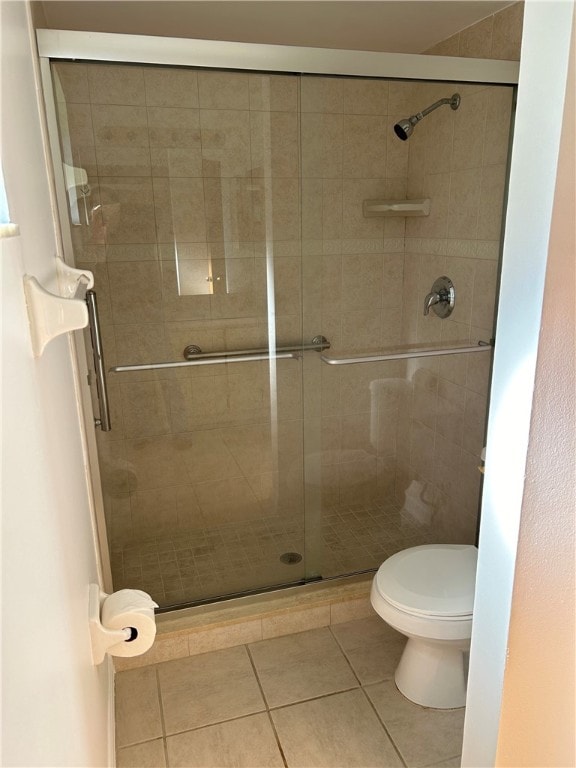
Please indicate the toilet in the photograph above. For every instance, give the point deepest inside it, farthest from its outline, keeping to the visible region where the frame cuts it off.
(427, 594)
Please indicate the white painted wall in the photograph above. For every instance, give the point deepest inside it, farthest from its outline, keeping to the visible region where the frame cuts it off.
(541, 95)
(54, 702)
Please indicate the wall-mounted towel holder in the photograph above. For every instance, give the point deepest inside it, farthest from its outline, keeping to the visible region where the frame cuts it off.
(51, 315)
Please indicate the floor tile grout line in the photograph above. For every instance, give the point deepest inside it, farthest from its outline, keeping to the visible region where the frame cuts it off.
(268, 712)
(217, 722)
(345, 655)
(314, 698)
(162, 720)
(386, 731)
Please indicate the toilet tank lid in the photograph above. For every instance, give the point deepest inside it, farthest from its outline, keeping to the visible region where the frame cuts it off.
(431, 580)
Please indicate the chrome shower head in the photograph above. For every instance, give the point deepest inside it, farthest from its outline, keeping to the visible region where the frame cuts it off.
(403, 128)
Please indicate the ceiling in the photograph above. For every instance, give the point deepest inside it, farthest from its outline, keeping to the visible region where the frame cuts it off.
(397, 26)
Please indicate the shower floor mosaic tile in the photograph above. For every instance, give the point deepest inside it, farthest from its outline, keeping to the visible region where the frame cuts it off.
(324, 697)
(233, 558)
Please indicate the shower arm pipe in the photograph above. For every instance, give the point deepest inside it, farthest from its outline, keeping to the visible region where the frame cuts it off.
(482, 346)
(419, 115)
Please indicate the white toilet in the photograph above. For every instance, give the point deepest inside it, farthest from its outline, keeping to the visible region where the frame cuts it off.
(427, 594)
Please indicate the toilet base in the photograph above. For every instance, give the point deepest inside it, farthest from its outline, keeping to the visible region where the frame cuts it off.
(433, 674)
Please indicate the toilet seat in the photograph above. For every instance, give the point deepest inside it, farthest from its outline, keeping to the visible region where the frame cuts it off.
(433, 580)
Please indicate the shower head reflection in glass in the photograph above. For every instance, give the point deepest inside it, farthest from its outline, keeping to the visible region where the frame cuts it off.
(403, 128)
(77, 186)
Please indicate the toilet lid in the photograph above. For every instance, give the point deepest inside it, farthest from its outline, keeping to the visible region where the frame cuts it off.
(432, 580)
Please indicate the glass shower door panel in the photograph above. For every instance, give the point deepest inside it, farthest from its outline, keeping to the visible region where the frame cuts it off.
(392, 448)
(184, 199)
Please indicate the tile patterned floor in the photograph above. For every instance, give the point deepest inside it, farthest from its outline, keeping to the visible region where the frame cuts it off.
(321, 698)
(240, 556)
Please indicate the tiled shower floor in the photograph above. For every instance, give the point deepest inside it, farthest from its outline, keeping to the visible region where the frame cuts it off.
(231, 558)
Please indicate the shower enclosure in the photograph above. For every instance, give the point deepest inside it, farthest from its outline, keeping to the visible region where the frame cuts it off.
(282, 409)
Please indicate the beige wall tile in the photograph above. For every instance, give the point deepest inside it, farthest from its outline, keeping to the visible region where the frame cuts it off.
(216, 638)
(497, 136)
(175, 128)
(365, 97)
(464, 203)
(350, 610)
(123, 161)
(448, 47)
(112, 84)
(153, 462)
(227, 500)
(223, 90)
(295, 621)
(475, 42)
(364, 151)
(507, 33)
(146, 408)
(206, 457)
(321, 94)
(163, 649)
(71, 82)
(469, 121)
(135, 292)
(362, 281)
(484, 294)
(274, 143)
(285, 208)
(171, 87)
(491, 202)
(437, 188)
(120, 126)
(127, 210)
(179, 209)
(76, 120)
(225, 137)
(274, 92)
(322, 137)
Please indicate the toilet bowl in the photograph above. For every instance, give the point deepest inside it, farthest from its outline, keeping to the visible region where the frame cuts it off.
(427, 594)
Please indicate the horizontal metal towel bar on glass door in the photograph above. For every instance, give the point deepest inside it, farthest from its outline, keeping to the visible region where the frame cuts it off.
(205, 361)
(318, 343)
(406, 354)
(195, 356)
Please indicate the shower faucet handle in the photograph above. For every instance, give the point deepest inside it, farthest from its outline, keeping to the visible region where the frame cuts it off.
(441, 297)
(430, 300)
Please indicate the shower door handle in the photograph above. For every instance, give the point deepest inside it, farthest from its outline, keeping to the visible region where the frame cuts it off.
(104, 421)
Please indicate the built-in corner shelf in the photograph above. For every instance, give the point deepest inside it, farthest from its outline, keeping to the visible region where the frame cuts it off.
(50, 314)
(374, 208)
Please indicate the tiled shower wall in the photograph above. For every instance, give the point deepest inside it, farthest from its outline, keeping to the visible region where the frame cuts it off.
(459, 160)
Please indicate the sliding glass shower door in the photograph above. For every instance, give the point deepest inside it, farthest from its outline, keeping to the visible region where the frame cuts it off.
(269, 424)
(184, 195)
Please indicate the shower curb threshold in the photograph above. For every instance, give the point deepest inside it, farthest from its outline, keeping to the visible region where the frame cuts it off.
(205, 628)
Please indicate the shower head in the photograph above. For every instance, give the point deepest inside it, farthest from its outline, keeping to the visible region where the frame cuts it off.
(403, 128)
